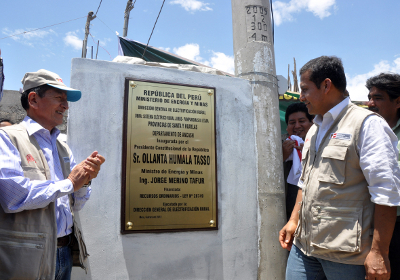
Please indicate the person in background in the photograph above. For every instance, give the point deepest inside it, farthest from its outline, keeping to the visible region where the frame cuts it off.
(384, 99)
(298, 122)
(343, 220)
(5, 122)
(41, 186)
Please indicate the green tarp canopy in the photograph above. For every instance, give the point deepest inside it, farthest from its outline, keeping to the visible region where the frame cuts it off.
(136, 49)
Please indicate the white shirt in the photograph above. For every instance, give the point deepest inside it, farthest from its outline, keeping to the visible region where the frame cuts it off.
(377, 147)
(295, 171)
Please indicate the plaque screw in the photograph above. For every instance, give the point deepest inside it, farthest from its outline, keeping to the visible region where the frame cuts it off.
(210, 92)
(129, 225)
(212, 223)
(132, 84)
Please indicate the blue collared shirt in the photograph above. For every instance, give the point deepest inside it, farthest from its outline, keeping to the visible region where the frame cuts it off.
(18, 193)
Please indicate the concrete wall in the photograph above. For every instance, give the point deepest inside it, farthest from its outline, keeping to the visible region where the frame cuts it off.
(282, 84)
(10, 106)
(11, 109)
(95, 123)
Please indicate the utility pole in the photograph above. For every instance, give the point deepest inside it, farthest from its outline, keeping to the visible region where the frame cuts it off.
(90, 17)
(255, 61)
(295, 81)
(128, 9)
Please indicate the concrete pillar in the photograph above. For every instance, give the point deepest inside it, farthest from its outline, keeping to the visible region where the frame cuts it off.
(255, 61)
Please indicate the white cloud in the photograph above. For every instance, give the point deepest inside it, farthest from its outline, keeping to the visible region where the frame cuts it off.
(192, 5)
(189, 51)
(49, 54)
(27, 36)
(222, 62)
(104, 42)
(165, 49)
(356, 84)
(72, 40)
(218, 60)
(284, 11)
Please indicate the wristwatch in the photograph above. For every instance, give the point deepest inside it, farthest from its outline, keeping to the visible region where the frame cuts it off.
(88, 184)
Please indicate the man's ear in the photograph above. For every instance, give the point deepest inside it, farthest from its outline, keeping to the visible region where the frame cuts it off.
(326, 85)
(33, 100)
(397, 101)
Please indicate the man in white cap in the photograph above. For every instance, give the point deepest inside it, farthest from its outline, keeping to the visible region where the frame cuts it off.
(41, 186)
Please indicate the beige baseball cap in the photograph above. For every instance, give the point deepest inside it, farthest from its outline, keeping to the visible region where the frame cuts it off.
(44, 77)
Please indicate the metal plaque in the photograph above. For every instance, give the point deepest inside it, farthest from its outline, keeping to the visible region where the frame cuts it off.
(169, 180)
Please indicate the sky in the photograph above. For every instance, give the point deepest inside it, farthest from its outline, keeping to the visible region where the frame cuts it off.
(363, 33)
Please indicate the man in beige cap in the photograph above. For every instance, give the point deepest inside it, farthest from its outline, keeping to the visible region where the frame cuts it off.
(41, 186)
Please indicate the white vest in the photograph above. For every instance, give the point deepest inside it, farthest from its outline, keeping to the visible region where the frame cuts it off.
(336, 216)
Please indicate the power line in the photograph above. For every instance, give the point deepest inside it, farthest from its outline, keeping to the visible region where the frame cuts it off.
(114, 32)
(153, 28)
(106, 25)
(100, 46)
(98, 7)
(40, 28)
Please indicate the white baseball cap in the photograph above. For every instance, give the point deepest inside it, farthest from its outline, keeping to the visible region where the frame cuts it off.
(44, 77)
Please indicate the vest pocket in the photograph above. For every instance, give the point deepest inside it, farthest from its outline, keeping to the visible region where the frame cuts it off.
(336, 228)
(21, 254)
(332, 166)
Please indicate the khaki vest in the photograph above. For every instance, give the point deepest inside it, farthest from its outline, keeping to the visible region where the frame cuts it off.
(336, 216)
(28, 239)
